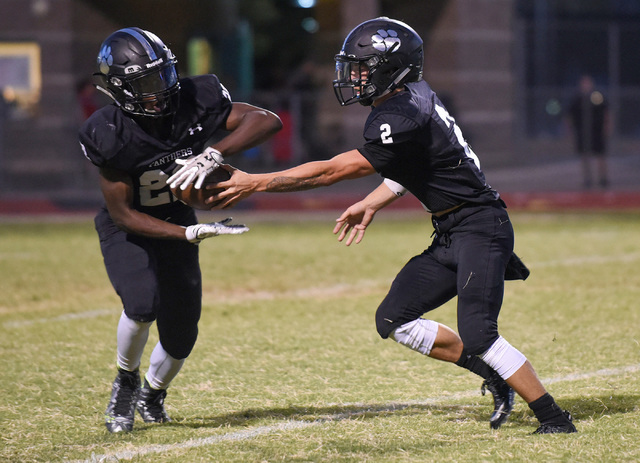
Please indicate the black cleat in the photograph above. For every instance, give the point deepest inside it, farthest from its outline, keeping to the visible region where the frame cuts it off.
(556, 428)
(122, 406)
(503, 399)
(150, 405)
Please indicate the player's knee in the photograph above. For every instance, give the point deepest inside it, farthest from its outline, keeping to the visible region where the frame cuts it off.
(179, 343)
(139, 303)
(503, 358)
(418, 335)
(384, 322)
(477, 341)
(142, 314)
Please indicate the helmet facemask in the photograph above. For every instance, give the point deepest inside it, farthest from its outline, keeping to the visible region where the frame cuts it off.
(152, 94)
(352, 83)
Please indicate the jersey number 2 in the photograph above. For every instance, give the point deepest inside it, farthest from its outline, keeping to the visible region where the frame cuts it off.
(385, 133)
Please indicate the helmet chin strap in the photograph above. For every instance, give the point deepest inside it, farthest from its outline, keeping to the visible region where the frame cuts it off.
(106, 92)
(99, 80)
(395, 82)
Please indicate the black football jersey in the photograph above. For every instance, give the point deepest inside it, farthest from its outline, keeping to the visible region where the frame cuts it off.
(110, 138)
(411, 139)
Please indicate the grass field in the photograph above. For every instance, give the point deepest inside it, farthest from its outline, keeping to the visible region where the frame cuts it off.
(288, 366)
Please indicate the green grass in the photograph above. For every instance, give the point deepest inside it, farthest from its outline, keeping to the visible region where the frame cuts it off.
(288, 366)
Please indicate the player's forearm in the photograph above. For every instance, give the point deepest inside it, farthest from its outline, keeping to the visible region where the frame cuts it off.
(138, 223)
(303, 177)
(379, 198)
(345, 166)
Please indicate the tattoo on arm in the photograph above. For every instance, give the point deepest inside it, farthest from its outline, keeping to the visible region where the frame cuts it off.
(286, 184)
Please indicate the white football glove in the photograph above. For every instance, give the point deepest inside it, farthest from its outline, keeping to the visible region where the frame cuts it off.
(196, 167)
(198, 232)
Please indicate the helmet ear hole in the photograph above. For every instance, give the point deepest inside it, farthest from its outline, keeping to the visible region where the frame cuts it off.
(100, 82)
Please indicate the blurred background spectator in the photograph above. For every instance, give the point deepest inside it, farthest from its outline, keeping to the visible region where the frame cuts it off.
(590, 125)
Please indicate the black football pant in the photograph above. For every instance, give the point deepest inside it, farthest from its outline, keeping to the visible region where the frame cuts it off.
(467, 258)
(156, 280)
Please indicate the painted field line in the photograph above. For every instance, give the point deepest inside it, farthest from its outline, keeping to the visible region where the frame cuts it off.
(315, 291)
(605, 372)
(60, 318)
(298, 424)
(302, 293)
(195, 443)
(587, 260)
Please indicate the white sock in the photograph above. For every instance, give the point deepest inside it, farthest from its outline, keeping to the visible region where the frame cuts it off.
(418, 335)
(504, 358)
(162, 369)
(132, 337)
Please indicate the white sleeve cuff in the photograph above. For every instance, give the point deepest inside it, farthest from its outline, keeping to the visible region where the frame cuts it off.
(397, 189)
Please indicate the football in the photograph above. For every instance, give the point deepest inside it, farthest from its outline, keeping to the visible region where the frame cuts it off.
(195, 197)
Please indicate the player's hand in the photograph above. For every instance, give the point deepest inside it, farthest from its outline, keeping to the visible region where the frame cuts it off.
(354, 221)
(241, 185)
(198, 232)
(196, 167)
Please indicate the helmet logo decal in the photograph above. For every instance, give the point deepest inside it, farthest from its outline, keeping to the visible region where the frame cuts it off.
(157, 62)
(131, 69)
(385, 40)
(105, 59)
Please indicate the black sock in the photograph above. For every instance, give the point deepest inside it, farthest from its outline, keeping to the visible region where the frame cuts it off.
(547, 410)
(474, 364)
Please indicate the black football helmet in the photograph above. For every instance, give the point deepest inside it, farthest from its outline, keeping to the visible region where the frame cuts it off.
(138, 71)
(377, 57)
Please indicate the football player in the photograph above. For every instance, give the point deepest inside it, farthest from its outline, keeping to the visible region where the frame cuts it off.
(413, 142)
(148, 238)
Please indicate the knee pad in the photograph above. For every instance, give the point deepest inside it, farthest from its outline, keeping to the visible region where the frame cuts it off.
(418, 335)
(504, 358)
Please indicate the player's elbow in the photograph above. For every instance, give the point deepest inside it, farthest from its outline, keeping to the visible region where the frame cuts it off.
(265, 122)
(123, 223)
(274, 123)
(123, 218)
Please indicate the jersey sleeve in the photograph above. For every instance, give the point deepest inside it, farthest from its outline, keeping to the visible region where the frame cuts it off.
(386, 140)
(211, 95)
(100, 139)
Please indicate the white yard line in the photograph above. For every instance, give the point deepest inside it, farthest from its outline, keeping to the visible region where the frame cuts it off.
(60, 318)
(315, 292)
(297, 424)
(587, 260)
(312, 292)
(195, 443)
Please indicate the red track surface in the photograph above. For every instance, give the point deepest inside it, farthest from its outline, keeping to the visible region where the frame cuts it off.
(529, 201)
